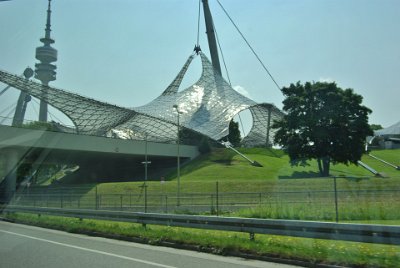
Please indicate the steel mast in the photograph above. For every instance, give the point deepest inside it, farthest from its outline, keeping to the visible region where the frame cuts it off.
(212, 42)
(22, 102)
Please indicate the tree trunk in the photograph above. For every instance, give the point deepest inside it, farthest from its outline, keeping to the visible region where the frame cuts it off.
(326, 165)
(321, 171)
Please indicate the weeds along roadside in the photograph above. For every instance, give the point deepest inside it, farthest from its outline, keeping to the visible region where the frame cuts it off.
(314, 251)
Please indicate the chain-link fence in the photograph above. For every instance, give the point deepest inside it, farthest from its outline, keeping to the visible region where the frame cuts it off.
(339, 204)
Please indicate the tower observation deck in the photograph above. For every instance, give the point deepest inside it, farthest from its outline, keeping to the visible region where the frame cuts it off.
(45, 70)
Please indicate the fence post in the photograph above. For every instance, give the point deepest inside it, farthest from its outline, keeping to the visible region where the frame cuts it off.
(336, 199)
(96, 200)
(251, 236)
(166, 203)
(212, 204)
(145, 198)
(217, 197)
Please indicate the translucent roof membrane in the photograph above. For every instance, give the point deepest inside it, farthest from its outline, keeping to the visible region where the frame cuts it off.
(206, 107)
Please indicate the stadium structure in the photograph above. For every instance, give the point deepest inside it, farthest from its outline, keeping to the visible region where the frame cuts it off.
(388, 138)
(206, 107)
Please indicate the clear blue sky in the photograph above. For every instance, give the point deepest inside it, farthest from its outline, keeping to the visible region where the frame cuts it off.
(127, 51)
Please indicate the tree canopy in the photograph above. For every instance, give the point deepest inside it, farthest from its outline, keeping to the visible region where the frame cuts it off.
(375, 126)
(323, 122)
(234, 133)
(190, 137)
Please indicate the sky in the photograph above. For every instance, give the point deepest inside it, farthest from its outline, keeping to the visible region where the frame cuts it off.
(126, 52)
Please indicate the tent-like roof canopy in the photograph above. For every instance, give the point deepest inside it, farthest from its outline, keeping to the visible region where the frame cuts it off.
(392, 130)
(206, 107)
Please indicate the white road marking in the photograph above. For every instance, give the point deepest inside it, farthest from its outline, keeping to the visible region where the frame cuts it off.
(91, 250)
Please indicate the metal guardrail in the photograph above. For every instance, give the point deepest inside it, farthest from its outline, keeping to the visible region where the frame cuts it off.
(380, 234)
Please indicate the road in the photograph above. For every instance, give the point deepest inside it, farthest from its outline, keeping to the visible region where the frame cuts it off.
(28, 246)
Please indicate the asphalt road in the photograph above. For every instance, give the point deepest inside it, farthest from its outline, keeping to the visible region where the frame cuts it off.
(28, 246)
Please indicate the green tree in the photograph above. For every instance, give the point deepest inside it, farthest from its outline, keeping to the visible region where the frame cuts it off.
(204, 146)
(234, 136)
(375, 127)
(190, 137)
(37, 125)
(322, 122)
(234, 133)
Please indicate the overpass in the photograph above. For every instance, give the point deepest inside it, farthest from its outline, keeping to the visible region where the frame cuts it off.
(98, 158)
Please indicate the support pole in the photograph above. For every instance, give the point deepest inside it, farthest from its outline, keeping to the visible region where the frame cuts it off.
(178, 170)
(336, 200)
(217, 198)
(146, 162)
(22, 102)
(10, 181)
(212, 42)
(268, 144)
(19, 114)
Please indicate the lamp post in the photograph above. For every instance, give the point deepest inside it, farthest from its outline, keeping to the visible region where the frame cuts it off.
(178, 202)
(145, 175)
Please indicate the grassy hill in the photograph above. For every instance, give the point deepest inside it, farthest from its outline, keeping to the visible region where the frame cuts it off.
(235, 174)
(276, 190)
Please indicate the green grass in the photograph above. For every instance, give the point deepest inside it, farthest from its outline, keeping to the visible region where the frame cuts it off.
(299, 199)
(235, 174)
(386, 212)
(224, 165)
(272, 186)
(310, 250)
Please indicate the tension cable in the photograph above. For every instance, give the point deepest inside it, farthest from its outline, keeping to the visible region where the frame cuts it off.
(248, 44)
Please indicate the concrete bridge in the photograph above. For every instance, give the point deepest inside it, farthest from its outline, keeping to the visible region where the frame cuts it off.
(98, 158)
